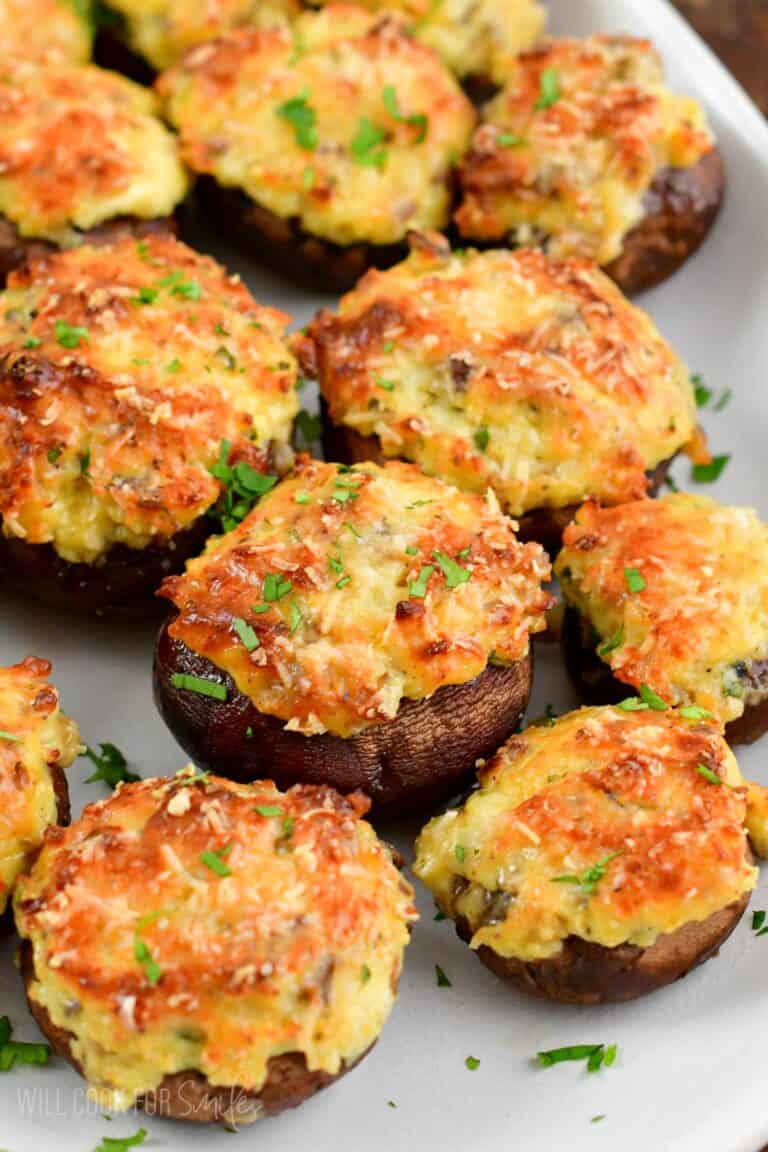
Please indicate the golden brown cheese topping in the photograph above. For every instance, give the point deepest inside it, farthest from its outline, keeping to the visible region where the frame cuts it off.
(568, 149)
(50, 30)
(123, 369)
(193, 924)
(343, 123)
(164, 30)
(676, 591)
(36, 741)
(512, 370)
(477, 38)
(346, 591)
(79, 146)
(612, 826)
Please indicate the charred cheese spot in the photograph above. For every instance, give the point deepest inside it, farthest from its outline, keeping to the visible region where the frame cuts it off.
(260, 956)
(473, 39)
(51, 30)
(569, 148)
(34, 738)
(123, 367)
(79, 146)
(300, 120)
(514, 370)
(165, 30)
(599, 787)
(697, 632)
(320, 570)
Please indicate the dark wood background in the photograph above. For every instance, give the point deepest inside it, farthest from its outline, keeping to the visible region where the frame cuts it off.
(738, 32)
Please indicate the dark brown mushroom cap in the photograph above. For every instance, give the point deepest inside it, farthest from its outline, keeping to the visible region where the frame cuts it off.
(427, 753)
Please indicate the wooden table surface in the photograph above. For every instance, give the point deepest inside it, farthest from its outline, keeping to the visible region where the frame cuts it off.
(738, 32)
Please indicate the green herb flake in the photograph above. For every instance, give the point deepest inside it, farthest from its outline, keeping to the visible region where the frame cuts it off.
(85, 462)
(549, 89)
(310, 427)
(481, 438)
(694, 712)
(246, 633)
(302, 498)
(122, 1144)
(32, 342)
(13, 1052)
(368, 145)
(111, 766)
(598, 1118)
(634, 579)
(472, 1063)
(385, 385)
(69, 336)
(365, 974)
(174, 366)
(387, 347)
(709, 775)
(723, 400)
(702, 394)
(198, 685)
(460, 853)
(417, 589)
(709, 473)
(439, 916)
(611, 644)
(308, 178)
(589, 879)
(632, 704)
(243, 487)
(758, 922)
(216, 861)
(296, 618)
(442, 979)
(145, 295)
(510, 140)
(652, 699)
(9, 737)
(453, 572)
(187, 290)
(142, 954)
(268, 811)
(411, 551)
(418, 121)
(275, 587)
(342, 583)
(302, 117)
(596, 1055)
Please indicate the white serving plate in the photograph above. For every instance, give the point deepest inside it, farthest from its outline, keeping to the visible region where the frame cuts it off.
(693, 1057)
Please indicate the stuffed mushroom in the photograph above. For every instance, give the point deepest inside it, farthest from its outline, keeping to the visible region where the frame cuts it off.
(518, 371)
(245, 953)
(670, 597)
(324, 143)
(587, 152)
(364, 627)
(37, 743)
(44, 30)
(82, 157)
(142, 390)
(604, 855)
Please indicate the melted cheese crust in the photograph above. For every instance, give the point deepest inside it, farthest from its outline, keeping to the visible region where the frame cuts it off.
(298, 949)
(702, 618)
(573, 174)
(165, 30)
(556, 801)
(111, 441)
(44, 30)
(349, 639)
(352, 172)
(79, 146)
(34, 737)
(513, 370)
(473, 37)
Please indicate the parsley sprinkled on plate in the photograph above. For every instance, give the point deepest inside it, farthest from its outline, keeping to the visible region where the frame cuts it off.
(597, 1056)
(442, 979)
(13, 1052)
(122, 1143)
(111, 766)
(709, 473)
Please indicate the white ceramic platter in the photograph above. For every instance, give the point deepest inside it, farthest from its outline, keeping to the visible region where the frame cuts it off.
(693, 1059)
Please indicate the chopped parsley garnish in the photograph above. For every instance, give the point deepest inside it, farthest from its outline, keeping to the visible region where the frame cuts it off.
(709, 473)
(635, 580)
(365, 974)
(596, 1055)
(418, 121)
(442, 979)
(723, 399)
(549, 89)
(243, 488)
(9, 736)
(308, 178)
(196, 778)
(350, 526)
(122, 1143)
(223, 354)
(438, 916)
(269, 810)
(647, 699)
(345, 489)
(216, 861)
(220, 330)
(386, 385)
(589, 879)
(310, 427)
(70, 336)
(472, 1063)
(368, 145)
(481, 438)
(275, 587)
(509, 140)
(460, 853)
(246, 633)
(296, 618)
(709, 775)
(174, 366)
(32, 342)
(453, 572)
(187, 290)
(694, 712)
(85, 462)
(611, 644)
(53, 454)
(111, 766)
(18, 1052)
(342, 583)
(417, 588)
(145, 295)
(302, 498)
(197, 684)
(759, 927)
(702, 394)
(411, 551)
(598, 1118)
(302, 117)
(142, 954)
(388, 346)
